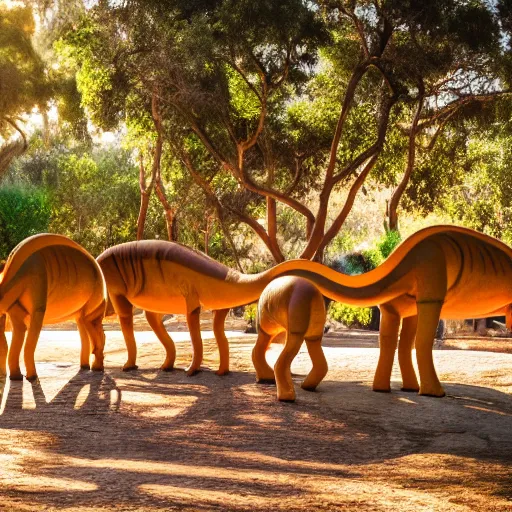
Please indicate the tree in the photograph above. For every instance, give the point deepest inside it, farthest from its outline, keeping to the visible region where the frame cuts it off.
(236, 88)
(23, 81)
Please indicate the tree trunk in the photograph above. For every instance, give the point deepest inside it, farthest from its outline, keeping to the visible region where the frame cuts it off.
(13, 149)
(168, 210)
(411, 158)
(143, 212)
(145, 194)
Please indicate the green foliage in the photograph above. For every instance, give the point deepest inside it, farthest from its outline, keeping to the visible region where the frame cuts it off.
(358, 263)
(349, 315)
(96, 201)
(23, 83)
(250, 312)
(93, 197)
(388, 243)
(23, 212)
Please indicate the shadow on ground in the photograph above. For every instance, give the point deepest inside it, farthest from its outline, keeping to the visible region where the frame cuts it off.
(150, 440)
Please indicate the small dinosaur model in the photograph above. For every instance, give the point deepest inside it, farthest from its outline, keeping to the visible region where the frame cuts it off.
(438, 272)
(295, 306)
(48, 279)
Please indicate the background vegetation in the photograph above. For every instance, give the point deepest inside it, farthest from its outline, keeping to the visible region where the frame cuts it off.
(255, 131)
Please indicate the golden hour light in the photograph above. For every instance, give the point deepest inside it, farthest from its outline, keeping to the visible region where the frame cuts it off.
(255, 256)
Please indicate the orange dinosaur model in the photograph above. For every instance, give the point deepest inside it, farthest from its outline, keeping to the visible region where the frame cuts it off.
(165, 277)
(295, 306)
(48, 279)
(438, 272)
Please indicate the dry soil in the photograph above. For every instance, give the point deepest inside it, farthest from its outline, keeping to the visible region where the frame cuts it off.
(154, 441)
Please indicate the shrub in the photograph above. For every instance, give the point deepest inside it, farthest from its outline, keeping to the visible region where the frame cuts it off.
(388, 243)
(349, 315)
(250, 313)
(23, 212)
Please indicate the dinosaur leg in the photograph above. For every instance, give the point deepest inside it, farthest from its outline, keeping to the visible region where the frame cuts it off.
(17, 315)
(124, 309)
(284, 382)
(319, 370)
(405, 346)
(219, 318)
(36, 324)
(3, 347)
(96, 333)
(194, 328)
(85, 350)
(388, 339)
(264, 373)
(428, 319)
(155, 322)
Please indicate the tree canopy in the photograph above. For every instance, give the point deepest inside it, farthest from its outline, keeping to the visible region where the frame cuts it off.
(273, 111)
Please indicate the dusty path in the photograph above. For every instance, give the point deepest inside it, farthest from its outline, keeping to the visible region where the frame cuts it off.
(161, 441)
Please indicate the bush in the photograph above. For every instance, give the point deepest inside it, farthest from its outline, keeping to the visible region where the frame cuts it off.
(349, 315)
(23, 212)
(388, 243)
(359, 263)
(250, 313)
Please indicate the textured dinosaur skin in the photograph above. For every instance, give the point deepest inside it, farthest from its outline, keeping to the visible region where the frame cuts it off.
(48, 279)
(439, 272)
(295, 306)
(165, 277)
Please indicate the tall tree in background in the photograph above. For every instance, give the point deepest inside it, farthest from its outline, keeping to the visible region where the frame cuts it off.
(237, 86)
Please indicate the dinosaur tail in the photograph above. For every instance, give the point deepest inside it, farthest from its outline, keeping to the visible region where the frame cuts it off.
(109, 308)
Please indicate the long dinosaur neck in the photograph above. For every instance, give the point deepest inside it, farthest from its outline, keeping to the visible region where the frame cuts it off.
(340, 287)
(365, 289)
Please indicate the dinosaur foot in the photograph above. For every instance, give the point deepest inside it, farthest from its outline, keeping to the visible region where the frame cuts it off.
(433, 395)
(190, 372)
(32, 378)
(223, 371)
(286, 398)
(85, 367)
(97, 368)
(433, 390)
(382, 390)
(410, 390)
(165, 368)
(129, 368)
(265, 381)
(308, 388)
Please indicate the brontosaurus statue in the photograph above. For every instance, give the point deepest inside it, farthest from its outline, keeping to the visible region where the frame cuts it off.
(438, 272)
(295, 306)
(166, 277)
(48, 279)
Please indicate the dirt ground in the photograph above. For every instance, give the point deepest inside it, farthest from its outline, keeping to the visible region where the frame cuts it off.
(148, 440)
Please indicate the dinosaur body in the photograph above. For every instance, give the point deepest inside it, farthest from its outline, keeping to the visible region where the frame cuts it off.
(48, 279)
(166, 277)
(439, 272)
(293, 305)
